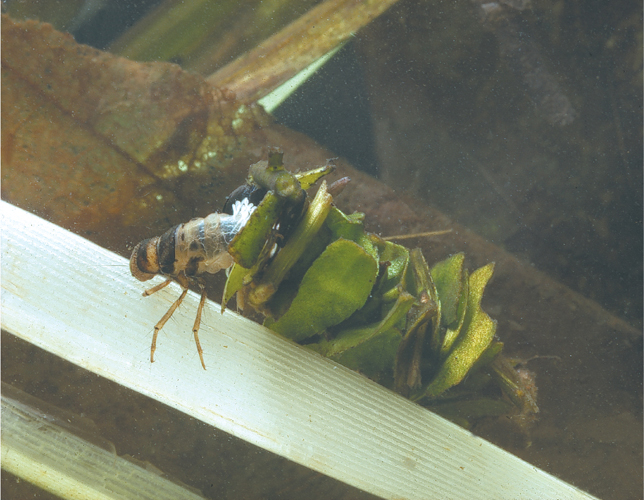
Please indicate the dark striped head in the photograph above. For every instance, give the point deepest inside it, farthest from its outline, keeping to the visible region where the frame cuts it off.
(144, 263)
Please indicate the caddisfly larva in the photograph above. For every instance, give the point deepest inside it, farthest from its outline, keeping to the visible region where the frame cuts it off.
(274, 198)
(187, 251)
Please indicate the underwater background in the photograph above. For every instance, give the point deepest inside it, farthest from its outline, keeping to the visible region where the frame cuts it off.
(521, 121)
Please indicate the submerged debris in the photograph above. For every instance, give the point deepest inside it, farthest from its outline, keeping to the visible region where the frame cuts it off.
(524, 59)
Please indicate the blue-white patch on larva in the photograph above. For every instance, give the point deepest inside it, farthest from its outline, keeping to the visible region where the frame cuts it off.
(242, 210)
(231, 225)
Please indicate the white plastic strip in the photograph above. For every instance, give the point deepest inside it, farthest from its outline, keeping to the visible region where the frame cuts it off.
(45, 454)
(78, 301)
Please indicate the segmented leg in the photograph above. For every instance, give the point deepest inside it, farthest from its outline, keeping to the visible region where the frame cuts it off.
(155, 289)
(165, 318)
(195, 328)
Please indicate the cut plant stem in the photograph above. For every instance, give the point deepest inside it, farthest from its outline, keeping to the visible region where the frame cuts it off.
(308, 227)
(416, 235)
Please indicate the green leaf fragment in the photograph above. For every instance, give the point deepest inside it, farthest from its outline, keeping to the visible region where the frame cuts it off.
(354, 337)
(310, 177)
(286, 292)
(476, 335)
(234, 283)
(448, 278)
(448, 340)
(398, 258)
(464, 354)
(288, 256)
(374, 357)
(248, 244)
(335, 286)
(488, 356)
(476, 286)
(430, 305)
(371, 349)
(452, 332)
(349, 227)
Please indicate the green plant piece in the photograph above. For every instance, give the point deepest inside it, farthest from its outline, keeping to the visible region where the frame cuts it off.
(464, 354)
(354, 337)
(370, 304)
(369, 349)
(488, 356)
(448, 278)
(478, 332)
(451, 333)
(250, 241)
(286, 258)
(430, 305)
(476, 286)
(396, 276)
(310, 177)
(350, 227)
(452, 286)
(335, 286)
(374, 355)
(271, 175)
(234, 283)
